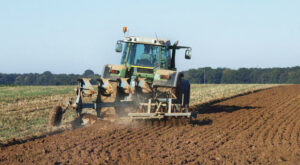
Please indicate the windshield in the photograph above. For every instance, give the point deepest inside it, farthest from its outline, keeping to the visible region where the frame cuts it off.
(146, 55)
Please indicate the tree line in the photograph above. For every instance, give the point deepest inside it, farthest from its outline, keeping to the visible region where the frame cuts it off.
(46, 78)
(198, 76)
(244, 75)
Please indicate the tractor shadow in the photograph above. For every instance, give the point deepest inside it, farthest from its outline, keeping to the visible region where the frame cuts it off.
(213, 107)
(210, 109)
(207, 109)
(202, 122)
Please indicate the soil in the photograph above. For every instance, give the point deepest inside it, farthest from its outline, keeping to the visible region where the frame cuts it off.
(259, 128)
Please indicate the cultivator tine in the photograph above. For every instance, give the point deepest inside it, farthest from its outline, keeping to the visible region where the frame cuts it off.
(164, 122)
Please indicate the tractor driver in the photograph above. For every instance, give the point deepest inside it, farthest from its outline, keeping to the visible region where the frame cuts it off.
(146, 59)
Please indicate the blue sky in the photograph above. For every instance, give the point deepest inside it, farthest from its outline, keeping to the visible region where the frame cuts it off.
(70, 36)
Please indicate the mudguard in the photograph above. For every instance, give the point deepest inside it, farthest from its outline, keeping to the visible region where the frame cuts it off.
(166, 78)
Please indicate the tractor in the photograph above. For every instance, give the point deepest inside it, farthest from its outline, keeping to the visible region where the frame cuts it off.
(146, 81)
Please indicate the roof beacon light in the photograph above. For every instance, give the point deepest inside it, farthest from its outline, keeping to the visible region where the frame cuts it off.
(124, 30)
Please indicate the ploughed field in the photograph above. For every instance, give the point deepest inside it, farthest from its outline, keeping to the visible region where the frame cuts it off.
(260, 127)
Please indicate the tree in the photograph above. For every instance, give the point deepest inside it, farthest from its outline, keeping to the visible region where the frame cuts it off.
(88, 73)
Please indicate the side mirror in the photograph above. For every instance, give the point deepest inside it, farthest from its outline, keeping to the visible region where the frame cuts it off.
(188, 54)
(119, 47)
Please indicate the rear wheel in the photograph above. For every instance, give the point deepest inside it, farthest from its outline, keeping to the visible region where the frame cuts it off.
(184, 94)
(56, 115)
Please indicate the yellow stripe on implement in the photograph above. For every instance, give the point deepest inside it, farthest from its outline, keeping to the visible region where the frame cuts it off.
(141, 67)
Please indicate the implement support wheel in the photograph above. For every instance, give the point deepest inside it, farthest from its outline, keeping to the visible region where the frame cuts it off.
(56, 115)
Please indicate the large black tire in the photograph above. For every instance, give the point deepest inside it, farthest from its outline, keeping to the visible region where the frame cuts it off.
(185, 90)
(56, 115)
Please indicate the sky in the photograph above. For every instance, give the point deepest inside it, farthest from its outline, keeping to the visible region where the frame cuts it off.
(70, 36)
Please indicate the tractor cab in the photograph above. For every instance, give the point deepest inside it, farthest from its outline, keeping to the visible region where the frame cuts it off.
(145, 52)
(150, 52)
(147, 59)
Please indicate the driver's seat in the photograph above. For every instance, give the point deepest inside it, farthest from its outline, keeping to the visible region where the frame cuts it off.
(144, 62)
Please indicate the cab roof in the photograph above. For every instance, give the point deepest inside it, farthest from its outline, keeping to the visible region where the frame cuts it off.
(147, 40)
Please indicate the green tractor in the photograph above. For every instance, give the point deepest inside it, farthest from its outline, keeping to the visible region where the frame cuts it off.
(146, 81)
